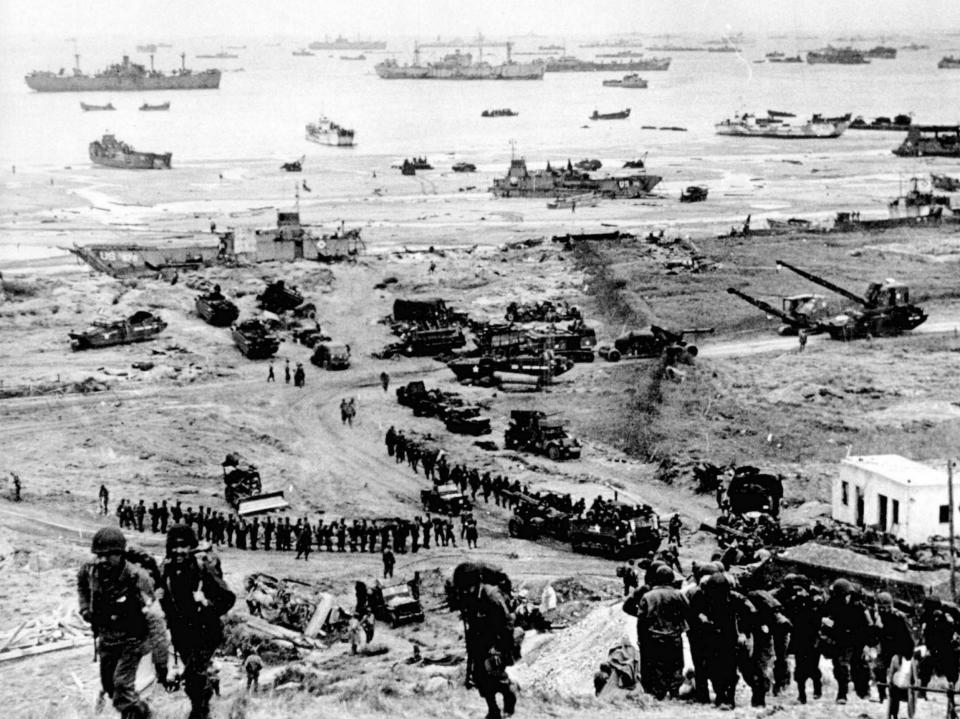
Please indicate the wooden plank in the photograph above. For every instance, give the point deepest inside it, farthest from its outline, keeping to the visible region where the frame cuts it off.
(13, 636)
(41, 649)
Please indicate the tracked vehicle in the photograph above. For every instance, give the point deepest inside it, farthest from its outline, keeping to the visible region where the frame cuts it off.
(138, 327)
(254, 339)
(215, 309)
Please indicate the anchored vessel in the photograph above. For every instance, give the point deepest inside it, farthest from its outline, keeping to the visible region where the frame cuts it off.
(520, 182)
(112, 152)
(931, 140)
(124, 77)
(949, 63)
(460, 66)
(621, 115)
(88, 108)
(749, 125)
(327, 132)
(341, 43)
(162, 106)
(837, 56)
(567, 63)
(632, 80)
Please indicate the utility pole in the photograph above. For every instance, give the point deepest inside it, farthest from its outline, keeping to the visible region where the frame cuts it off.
(953, 567)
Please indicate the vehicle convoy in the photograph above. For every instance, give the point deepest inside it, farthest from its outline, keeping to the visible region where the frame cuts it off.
(751, 490)
(884, 310)
(445, 499)
(215, 309)
(448, 407)
(243, 490)
(800, 312)
(652, 341)
(631, 538)
(123, 77)
(331, 355)
(254, 339)
(534, 431)
(393, 601)
(138, 327)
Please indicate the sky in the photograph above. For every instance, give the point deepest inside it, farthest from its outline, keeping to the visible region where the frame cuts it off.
(158, 20)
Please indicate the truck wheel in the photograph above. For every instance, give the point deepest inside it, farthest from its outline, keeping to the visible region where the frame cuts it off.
(553, 452)
(613, 356)
(691, 350)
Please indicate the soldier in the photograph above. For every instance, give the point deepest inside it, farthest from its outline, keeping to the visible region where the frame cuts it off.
(448, 535)
(254, 533)
(425, 527)
(415, 535)
(17, 487)
(140, 512)
(769, 632)
(472, 534)
(154, 513)
(629, 576)
(253, 664)
(104, 498)
(164, 515)
(112, 595)
(660, 625)
(939, 633)
(429, 460)
(488, 626)
(176, 513)
(267, 533)
(286, 372)
(304, 542)
(241, 530)
(271, 377)
(896, 640)
(388, 563)
(443, 469)
(673, 536)
(194, 597)
(231, 528)
(384, 380)
(390, 440)
(342, 536)
(802, 337)
(476, 482)
(849, 629)
(299, 376)
(724, 617)
(802, 606)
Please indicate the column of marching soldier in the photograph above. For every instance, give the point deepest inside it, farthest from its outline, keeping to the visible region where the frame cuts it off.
(220, 528)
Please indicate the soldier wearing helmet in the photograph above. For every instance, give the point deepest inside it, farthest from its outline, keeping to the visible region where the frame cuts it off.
(194, 597)
(661, 621)
(113, 594)
(479, 592)
(849, 628)
(896, 640)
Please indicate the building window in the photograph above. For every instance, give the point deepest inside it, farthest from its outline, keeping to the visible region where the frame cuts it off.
(895, 512)
(944, 513)
(845, 494)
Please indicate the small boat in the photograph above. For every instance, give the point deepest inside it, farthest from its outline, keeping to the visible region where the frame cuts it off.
(219, 56)
(632, 81)
(502, 112)
(326, 132)
(161, 106)
(945, 183)
(90, 108)
(303, 53)
(622, 115)
(571, 203)
(794, 59)
(694, 193)
(778, 113)
(350, 57)
(949, 63)
(464, 167)
(410, 167)
(295, 166)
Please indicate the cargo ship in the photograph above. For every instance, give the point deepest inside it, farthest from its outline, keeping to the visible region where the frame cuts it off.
(341, 43)
(124, 77)
(749, 125)
(326, 132)
(520, 182)
(568, 63)
(836, 56)
(111, 152)
(460, 66)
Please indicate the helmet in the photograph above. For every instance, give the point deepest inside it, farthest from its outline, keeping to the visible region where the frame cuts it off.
(664, 576)
(108, 539)
(885, 599)
(181, 535)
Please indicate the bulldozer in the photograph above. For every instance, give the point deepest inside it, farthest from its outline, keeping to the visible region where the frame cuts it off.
(243, 489)
(884, 310)
(800, 312)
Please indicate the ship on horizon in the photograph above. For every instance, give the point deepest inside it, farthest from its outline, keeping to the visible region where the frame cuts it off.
(568, 63)
(341, 43)
(460, 66)
(124, 77)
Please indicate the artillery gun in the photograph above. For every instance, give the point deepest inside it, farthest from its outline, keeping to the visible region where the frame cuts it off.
(800, 312)
(884, 310)
(652, 341)
(138, 327)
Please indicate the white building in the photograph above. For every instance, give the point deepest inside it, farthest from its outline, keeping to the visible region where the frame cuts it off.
(894, 494)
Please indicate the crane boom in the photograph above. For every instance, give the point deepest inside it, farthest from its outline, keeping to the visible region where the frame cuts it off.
(769, 309)
(825, 283)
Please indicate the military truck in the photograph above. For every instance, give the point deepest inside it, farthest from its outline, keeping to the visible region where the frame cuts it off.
(331, 355)
(533, 520)
(620, 539)
(392, 601)
(751, 490)
(138, 327)
(445, 499)
(466, 420)
(243, 489)
(534, 431)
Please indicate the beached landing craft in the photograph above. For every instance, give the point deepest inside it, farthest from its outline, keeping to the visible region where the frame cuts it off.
(111, 152)
(949, 63)
(622, 115)
(550, 183)
(124, 77)
(777, 126)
